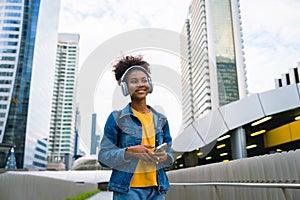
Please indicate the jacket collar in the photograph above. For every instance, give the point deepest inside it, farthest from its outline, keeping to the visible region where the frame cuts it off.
(127, 111)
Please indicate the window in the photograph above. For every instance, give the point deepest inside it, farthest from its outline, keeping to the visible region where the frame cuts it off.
(7, 58)
(10, 7)
(9, 14)
(4, 90)
(6, 66)
(5, 81)
(5, 28)
(10, 21)
(9, 36)
(11, 1)
(6, 43)
(6, 74)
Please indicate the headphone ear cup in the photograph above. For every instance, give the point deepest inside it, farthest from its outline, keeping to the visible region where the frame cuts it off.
(150, 85)
(124, 88)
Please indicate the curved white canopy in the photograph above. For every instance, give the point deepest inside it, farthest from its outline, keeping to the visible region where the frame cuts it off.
(217, 122)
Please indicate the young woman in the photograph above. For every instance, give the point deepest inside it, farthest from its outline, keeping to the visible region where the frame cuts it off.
(131, 136)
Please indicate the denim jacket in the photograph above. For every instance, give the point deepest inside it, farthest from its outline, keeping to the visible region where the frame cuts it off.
(122, 130)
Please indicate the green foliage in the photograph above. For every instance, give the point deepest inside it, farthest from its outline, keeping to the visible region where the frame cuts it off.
(83, 196)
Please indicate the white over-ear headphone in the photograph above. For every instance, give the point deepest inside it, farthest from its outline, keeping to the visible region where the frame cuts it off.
(124, 85)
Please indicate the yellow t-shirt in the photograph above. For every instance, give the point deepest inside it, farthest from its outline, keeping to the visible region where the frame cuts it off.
(145, 174)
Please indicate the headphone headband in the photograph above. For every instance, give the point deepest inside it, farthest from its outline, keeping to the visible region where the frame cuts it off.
(134, 67)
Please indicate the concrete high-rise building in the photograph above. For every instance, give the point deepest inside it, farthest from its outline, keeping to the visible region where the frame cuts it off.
(62, 127)
(28, 35)
(213, 69)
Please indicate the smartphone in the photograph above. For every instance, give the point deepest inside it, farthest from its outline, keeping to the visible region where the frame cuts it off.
(161, 147)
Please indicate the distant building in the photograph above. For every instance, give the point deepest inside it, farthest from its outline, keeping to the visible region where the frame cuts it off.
(77, 131)
(62, 126)
(95, 139)
(289, 78)
(213, 69)
(28, 38)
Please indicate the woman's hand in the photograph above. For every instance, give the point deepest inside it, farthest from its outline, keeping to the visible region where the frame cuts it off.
(141, 152)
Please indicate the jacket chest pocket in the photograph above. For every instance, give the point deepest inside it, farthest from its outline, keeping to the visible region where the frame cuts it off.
(130, 136)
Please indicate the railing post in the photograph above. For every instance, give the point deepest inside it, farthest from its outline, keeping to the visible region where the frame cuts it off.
(217, 192)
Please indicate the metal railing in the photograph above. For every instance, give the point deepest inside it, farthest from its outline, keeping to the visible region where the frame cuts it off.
(235, 184)
(216, 185)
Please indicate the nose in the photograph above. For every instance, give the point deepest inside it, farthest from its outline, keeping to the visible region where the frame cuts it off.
(141, 84)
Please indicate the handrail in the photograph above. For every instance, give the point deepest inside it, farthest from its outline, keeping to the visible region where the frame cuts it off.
(235, 184)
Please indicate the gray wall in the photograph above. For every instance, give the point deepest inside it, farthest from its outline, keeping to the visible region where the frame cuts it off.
(30, 187)
(274, 168)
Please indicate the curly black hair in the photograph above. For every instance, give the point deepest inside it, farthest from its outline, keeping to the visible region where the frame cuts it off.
(126, 62)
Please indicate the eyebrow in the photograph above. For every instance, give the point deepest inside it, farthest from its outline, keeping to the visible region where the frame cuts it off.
(138, 78)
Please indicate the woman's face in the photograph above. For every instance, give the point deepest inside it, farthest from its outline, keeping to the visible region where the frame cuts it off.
(138, 84)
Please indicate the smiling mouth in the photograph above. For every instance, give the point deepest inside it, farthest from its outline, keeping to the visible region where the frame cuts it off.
(140, 90)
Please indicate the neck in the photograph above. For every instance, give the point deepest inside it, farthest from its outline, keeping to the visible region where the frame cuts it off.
(140, 106)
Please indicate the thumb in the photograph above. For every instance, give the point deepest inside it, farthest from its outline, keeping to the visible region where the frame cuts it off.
(148, 146)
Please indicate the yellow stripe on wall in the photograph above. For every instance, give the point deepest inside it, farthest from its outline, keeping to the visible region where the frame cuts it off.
(283, 134)
(295, 130)
(278, 136)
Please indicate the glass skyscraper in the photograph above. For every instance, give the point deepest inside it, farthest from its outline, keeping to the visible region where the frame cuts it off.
(28, 37)
(213, 69)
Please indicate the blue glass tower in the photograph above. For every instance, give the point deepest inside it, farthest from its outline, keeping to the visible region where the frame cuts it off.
(25, 113)
(15, 130)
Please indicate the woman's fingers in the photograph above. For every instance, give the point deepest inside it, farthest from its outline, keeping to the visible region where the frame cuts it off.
(161, 156)
(143, 153)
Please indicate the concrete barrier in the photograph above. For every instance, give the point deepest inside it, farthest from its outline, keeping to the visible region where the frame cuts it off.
(15, 186)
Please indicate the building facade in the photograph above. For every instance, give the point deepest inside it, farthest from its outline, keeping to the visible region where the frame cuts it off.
(27, 60)
(62, 127)
(292, 77)
(213, 69)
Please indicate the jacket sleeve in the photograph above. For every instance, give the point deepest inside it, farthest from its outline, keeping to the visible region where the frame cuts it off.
(168, 139)
(110, 155)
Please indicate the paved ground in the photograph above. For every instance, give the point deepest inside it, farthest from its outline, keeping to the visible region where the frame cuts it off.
(101, 196)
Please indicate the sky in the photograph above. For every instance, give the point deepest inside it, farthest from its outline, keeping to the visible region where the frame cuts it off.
(270, 28)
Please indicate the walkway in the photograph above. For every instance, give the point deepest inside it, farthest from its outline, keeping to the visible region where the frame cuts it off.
(101, 196)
